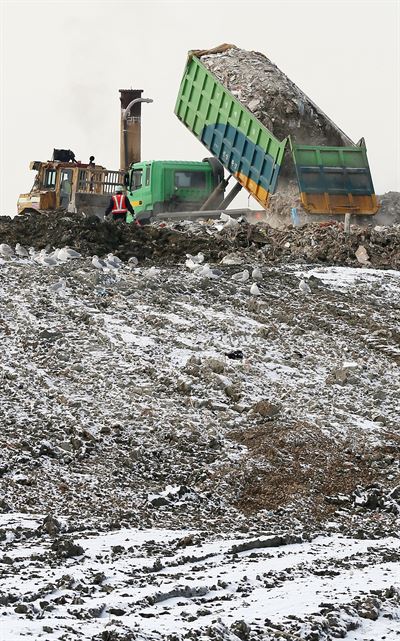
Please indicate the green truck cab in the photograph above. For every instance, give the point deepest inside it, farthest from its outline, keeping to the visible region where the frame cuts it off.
(158, 186)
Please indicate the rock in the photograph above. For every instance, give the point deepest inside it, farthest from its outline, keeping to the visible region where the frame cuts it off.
(118, 612)
(241, 629)
(369, 609)
(66, 548)
(233, 392)
(96, 613)
(98, 578)
(395, 493)
(159, 501)
(66, 446)
(51, 525)
(339, 376)
(362, 255)
(215, 365)
(266, 409)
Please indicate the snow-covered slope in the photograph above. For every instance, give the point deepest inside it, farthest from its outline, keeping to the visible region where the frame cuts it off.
(173, 413)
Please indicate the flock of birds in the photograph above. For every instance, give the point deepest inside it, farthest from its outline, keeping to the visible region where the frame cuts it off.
(57, 257)
(195, 264)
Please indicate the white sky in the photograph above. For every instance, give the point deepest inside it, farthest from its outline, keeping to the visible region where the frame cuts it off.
(62, 64)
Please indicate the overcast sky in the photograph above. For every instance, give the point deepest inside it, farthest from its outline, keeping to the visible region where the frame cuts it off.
(62, 64)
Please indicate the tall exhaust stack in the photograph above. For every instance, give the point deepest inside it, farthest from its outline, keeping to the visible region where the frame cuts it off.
(130, 145)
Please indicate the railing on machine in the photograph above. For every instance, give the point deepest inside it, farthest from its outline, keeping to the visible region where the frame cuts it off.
(99, 181)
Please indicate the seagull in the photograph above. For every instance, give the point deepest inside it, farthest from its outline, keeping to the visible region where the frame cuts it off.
(241, 277)
(304, 287)
(198, 259)
(205, 271)
(37, 256)
(21, 251)
(66, 253)
(232, 259)
(59, 287)
(254, 290)
(153, 271)
(45, 260)
(6, 251)
(190, 264)
(99, 263)
(56, 253)
(113, 261)
(256, 274)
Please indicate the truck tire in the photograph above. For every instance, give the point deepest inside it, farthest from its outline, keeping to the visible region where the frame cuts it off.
(217, 169)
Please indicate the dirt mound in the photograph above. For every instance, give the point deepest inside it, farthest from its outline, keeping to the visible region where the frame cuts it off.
(90, 236)
(318, 242)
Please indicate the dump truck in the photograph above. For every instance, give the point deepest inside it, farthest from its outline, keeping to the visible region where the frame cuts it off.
(164, 186)
(257, 124)
(266, 132)
(153, 187)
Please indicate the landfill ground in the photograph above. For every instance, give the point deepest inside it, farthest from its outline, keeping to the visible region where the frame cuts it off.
(191, 449)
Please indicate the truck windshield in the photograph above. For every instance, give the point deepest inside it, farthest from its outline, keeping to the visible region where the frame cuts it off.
(136, 179)
(192, 179)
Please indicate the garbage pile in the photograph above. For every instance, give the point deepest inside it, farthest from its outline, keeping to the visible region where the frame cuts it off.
(287, 197)
(325, 243)
(273, 98)
(389, 208)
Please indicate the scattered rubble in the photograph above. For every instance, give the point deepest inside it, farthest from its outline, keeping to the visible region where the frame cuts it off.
(180, 459)
(324, 243)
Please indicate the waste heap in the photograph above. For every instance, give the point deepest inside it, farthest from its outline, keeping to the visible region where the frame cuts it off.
(273, 98)
(324, 243)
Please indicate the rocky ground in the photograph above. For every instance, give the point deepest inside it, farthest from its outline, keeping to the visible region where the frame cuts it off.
(182, 458)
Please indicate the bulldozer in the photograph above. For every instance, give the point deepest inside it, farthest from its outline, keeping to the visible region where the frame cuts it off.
(66, 184)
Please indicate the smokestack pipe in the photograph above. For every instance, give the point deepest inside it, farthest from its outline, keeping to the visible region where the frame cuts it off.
(129, 149)
(125, 116)
(130, 137)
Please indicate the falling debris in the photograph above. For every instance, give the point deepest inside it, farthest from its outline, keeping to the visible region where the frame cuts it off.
(273, 98)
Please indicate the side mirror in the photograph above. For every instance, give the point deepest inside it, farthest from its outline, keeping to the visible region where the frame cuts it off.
(126, 180)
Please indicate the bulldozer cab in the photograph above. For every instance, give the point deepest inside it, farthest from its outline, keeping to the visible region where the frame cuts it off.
(70, 186)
